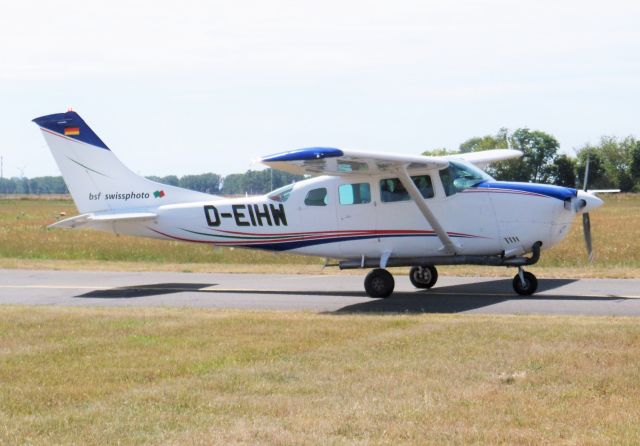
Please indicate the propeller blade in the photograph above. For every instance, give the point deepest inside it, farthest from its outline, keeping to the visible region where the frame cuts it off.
(586, 174)
(586, 226)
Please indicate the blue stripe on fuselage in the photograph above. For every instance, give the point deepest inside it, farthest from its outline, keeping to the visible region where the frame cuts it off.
(549, 190)
(286, 246)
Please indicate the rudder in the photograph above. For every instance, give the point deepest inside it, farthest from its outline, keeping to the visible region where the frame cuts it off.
(95, 177)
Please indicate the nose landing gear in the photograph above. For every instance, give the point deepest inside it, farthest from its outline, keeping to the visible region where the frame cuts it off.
(525, 283)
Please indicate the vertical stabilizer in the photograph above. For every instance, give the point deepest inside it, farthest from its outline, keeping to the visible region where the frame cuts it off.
(96, 178)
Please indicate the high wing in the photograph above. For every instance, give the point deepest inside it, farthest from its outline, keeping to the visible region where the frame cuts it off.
(337, 162)
(485, 157)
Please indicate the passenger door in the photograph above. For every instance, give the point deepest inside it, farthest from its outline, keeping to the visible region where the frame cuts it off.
(356, 218)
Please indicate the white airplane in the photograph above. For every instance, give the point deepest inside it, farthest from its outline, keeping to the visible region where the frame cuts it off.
(369, 210)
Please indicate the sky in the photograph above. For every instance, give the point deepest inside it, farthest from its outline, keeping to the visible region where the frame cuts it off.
(208, 86)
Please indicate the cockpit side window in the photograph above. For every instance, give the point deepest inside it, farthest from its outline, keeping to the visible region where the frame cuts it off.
(391, 189)
(316, 197)
(458, 177)
(282, 194)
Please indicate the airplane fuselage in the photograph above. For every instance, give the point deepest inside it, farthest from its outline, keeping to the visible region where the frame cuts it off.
(492, 218)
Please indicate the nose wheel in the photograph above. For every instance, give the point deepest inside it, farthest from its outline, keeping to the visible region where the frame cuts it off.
(525, 283)
(379, 283)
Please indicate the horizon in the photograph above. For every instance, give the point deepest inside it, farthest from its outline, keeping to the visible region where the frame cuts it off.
(177, 90)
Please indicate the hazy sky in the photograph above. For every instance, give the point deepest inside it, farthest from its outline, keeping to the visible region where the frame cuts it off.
(196, 86)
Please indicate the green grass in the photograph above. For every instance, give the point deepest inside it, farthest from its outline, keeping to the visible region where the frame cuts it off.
(177, 376)
(24, 235)
(25, 241)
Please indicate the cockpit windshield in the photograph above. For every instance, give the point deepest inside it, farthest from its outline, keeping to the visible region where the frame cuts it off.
(282, 194)
(458, 177)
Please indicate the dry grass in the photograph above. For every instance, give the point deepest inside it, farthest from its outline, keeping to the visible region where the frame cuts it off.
(24, 235)
(175, 376)
(26, 243)
(616, 237)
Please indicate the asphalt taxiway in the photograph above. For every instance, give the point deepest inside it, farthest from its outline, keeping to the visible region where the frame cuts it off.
(318, 293)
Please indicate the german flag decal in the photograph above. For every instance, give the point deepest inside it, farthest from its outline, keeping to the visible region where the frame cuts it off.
(71, 131)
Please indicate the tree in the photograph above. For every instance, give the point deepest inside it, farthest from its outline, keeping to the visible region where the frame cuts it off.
(171, 180)
(635, 166)
(563, 171)
(613, 163)
(539, 150)
(598, 178)
(206, 182)
(232, 184)
(255, 182)
(487, 142)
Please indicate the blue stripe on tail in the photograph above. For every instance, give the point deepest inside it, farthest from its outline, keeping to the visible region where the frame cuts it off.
(60, 121)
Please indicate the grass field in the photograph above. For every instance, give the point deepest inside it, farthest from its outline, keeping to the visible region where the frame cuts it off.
(171, 376)
(181, 376)
(26, 242)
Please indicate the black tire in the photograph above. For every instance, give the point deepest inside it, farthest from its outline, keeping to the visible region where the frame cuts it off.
(379, 283)
(424, 277)
(530, 286)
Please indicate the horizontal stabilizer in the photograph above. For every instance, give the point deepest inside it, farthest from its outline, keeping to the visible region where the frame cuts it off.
(88, 219)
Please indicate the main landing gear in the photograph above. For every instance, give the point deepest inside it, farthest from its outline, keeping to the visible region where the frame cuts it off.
(423, 276)
(380, 283)
(524, 283)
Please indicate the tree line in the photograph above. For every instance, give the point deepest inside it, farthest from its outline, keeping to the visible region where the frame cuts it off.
(252, 182)
(614, 163)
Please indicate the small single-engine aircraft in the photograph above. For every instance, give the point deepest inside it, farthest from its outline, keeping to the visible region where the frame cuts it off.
(369, 210)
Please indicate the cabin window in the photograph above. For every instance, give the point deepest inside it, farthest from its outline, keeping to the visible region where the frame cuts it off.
(458, 177)
(391, 189)
(358, 193)
(316, 197)
(282, 194)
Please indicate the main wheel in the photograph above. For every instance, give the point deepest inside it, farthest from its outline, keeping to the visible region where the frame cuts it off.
(379, 283)
(423, 277)
(530, 284)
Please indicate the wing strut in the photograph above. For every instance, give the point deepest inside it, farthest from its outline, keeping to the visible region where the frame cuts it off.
(410, 186)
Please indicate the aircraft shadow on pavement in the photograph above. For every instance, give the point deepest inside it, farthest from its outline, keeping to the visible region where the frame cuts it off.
(441, 299)
(465, 297)
(156, 289)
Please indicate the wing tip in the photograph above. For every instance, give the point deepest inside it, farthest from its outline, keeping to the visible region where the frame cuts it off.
(306, 154)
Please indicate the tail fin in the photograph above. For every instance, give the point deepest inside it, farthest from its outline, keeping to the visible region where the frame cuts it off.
(97, 180)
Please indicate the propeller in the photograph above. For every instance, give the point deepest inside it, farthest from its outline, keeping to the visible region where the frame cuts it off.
(586, 221)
